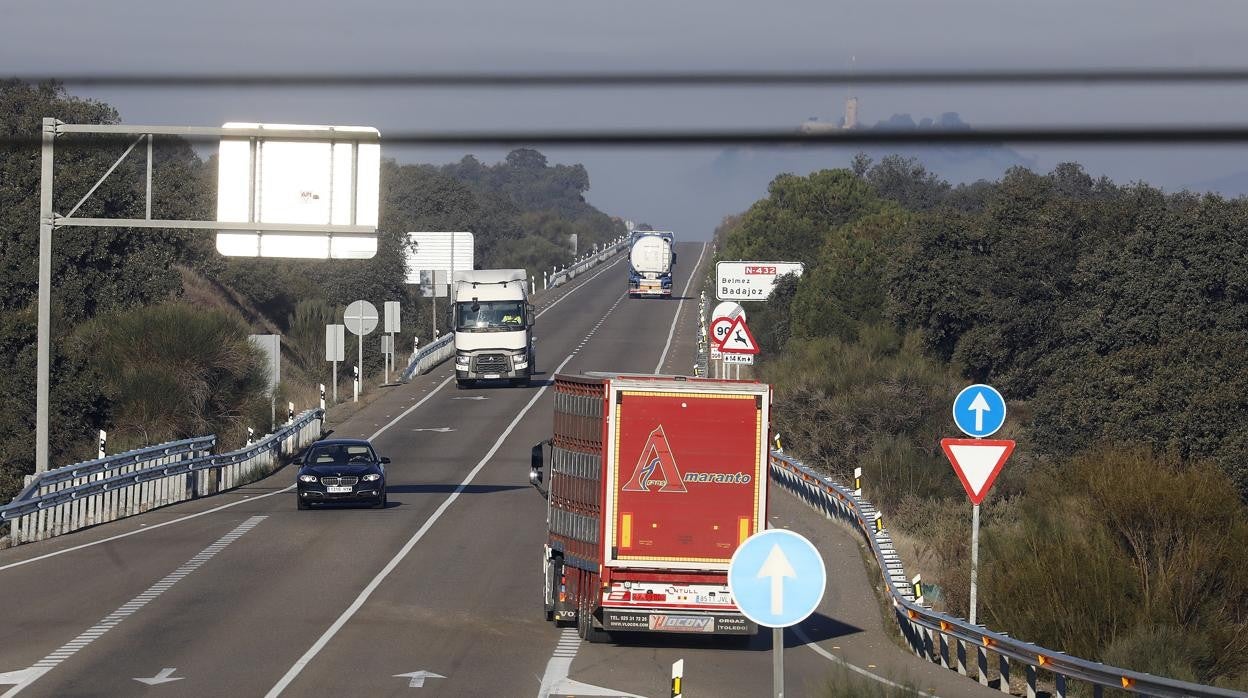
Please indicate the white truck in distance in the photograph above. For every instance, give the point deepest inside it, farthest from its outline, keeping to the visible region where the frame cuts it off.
(651, 257)
(493, 326)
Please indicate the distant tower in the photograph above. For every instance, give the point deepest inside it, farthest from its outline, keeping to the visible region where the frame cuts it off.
(851, 102)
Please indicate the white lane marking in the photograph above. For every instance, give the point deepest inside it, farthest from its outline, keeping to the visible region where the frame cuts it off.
(110, 621)
(359, 601)
(416, 679)
(859, 670)
(163, 676)
(672, 332)
(247, 498)
(153, 527)
(556, 682)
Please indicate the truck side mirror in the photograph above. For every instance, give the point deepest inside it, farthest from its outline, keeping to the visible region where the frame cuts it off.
(529, 315)
(535, 467)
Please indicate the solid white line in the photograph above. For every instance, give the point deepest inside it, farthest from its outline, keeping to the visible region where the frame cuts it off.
(251, 498)
(670, 333)
(152, 527)
(828, 655)
(359, 601)
(111, 620)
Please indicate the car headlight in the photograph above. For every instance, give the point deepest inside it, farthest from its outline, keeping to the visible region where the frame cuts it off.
(307, 478)
(371, 477)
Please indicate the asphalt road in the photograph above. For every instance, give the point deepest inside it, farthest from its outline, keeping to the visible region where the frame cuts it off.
(438, 594)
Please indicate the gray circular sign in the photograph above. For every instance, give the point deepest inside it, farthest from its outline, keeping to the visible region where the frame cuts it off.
(360, 318)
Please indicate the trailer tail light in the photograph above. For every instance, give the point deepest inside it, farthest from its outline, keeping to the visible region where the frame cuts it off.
(626, 530)
(563, 588)
(743, 529)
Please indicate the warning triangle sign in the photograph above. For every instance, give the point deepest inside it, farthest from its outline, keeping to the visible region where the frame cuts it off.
(739, 340)
(977, 463)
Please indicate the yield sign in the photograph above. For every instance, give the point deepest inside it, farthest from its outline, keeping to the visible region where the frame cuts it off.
(977, 463)
(739, 340)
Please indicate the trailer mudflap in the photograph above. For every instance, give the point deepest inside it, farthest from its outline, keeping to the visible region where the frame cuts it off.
(675, 621)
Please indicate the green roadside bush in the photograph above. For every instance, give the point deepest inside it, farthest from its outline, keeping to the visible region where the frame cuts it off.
(172, 371)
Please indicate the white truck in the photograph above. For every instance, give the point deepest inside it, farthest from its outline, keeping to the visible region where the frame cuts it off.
(493, 323)
(651, 257)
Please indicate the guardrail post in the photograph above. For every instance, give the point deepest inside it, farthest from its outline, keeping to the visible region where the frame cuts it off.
(982, 664)
(1003, 667)
(1031, 681)
(1060, 685)
(944, 650)
(961, 656)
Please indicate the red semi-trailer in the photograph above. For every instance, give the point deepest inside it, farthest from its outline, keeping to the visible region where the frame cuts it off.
(654, 481)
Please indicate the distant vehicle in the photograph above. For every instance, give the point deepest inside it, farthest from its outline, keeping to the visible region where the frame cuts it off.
(493, 324)
(654, 483)
(341, 470)
(651, 258)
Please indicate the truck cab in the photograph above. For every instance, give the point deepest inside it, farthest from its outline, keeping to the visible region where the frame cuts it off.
(493, 323)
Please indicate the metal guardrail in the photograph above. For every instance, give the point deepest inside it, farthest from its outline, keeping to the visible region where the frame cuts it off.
(444, 347)
(431, 355)
(85, 494)
(565, 275)
(930, 633)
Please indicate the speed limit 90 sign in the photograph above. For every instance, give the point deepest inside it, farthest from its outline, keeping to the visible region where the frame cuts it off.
(719, 330)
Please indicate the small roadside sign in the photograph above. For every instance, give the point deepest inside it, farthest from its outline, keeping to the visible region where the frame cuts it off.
(777, 578)
(739, 339)
(977, 463)
(743, 359)
(979, 410)
(719, 330)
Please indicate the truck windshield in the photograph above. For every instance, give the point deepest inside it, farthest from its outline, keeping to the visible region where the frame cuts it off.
(489, 316)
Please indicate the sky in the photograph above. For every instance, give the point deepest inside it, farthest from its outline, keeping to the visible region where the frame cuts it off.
(687, 190)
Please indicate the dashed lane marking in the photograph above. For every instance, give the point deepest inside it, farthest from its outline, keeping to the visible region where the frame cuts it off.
(43, 666)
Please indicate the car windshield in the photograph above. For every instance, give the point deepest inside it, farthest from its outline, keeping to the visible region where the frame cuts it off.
(341, 454)
(486, 316)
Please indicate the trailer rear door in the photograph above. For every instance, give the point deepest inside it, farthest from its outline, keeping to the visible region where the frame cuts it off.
(687, 472)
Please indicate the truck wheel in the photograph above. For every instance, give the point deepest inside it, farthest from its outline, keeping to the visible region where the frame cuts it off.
(461, 384)
(585, 627)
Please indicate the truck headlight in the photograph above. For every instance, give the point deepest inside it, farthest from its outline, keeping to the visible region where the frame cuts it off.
(462, 360)
(307, 478)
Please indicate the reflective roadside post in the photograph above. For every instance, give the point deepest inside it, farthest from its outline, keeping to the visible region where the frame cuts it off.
(103, 442)
(355, 383)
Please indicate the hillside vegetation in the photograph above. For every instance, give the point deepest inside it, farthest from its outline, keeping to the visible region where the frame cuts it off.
(150, 326)
(1115, 321)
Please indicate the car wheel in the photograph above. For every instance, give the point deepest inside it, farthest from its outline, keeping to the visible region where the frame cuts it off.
(381, 502)
(300, 504)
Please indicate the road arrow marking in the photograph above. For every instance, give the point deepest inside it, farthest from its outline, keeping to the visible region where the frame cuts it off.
(979, 406)
(164, 676)
(418, 677)
(21, 677)
(440, 430)
(474, 397)
(777, 567)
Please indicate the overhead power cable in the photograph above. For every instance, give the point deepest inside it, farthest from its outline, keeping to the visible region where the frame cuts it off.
(1095, 135)
(647, 79)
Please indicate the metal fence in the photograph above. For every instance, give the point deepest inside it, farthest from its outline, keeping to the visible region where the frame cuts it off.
(85, 494)
(932, 635)
(583, 264)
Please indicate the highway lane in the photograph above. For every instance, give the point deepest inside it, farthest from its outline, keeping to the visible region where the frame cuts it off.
(269, 594)
(463, 603)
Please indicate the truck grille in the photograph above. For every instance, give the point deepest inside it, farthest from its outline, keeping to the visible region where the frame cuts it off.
(339, 481)
(491, 363)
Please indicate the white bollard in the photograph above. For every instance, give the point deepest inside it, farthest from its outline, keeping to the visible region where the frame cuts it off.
(355, 383)
(290, 412)
(322, 396)
(251, 435)
(103, 442)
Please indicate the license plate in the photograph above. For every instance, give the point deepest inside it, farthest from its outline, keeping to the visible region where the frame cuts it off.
(337, 490)
(492, 375)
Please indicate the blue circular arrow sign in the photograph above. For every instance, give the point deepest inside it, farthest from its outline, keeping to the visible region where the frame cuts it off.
(777, 578)
(979, 410)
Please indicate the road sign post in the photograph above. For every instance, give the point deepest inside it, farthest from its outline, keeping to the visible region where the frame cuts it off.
(777, 578)
(335, 336)
(361, 319)
(979, 411)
